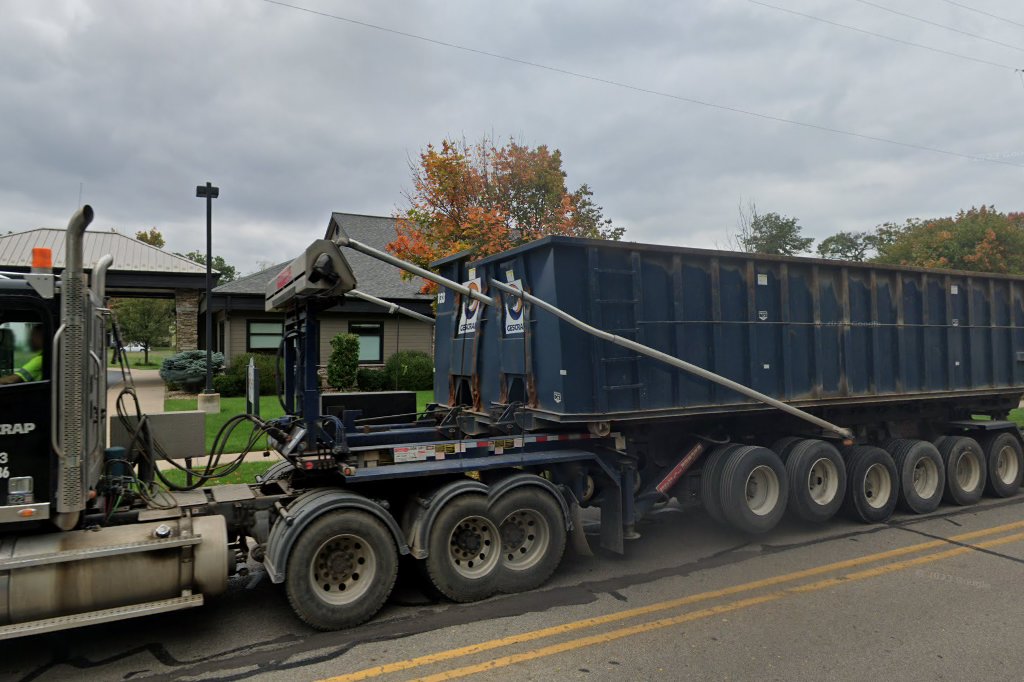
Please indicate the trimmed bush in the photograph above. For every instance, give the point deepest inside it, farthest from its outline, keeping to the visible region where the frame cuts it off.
(344, 361)
(229, 385)
(233, 380)
(409, 370)
(188, 369)
(371, 379)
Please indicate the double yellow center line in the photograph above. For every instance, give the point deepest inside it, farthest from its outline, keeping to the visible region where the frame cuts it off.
(640, 628)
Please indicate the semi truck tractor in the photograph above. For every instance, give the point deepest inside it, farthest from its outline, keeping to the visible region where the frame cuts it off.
(578, 386)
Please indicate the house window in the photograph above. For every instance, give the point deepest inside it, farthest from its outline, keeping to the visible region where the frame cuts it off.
(263, 335)
(371, 341)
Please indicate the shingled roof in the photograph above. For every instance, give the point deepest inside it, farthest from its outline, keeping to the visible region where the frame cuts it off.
(130, 255)
(372, 276)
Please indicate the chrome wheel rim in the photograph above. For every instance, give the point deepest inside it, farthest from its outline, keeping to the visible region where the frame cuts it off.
(925, 478)
(762, 490)
(823, 481)
(877, 486)
(525, 539)
(343, 569)
(473, 547)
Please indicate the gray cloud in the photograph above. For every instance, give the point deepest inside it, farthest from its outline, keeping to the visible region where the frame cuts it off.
(295, 115)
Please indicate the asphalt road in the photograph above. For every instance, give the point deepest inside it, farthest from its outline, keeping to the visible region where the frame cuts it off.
(919, 598)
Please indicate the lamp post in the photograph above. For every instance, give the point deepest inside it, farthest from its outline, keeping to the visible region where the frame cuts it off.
(209, 192)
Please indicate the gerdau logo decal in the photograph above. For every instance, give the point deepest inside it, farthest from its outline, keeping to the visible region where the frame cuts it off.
(469, 313)
(514, 310)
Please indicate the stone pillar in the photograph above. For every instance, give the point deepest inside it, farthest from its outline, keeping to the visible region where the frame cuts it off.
(186, 319)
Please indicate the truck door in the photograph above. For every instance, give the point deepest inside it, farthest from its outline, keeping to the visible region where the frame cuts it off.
(26, 333)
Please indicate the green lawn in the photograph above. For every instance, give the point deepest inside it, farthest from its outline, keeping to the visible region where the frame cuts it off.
(229, 407)
(137, 359)
(1017, 416)
(246, 473)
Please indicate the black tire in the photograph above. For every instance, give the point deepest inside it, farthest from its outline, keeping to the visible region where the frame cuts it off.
(784, 445)
(276, 472)
(1005, 460)
(922, 474)
(753, 489)
(533, 536)
(710, 475)
(464, 550)
(341, 570)
(817, 480)
(872, 484)
(966, 471)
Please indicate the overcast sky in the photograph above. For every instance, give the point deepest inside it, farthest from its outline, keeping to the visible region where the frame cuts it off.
(294, 115)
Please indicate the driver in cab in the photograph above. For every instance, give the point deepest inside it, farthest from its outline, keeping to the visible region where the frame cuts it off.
(32, 370)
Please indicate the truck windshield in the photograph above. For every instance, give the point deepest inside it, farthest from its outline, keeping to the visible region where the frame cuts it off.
(21, 348)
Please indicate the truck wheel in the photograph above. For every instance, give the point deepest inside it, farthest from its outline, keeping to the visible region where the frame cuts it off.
(784, 445)
(464, 550)
(966, 472)
(922, 474)
(341, 570)
(871, 484)
(710, 478)
(533, 538)
(817, 480)
(1005, 461)
(753, 489)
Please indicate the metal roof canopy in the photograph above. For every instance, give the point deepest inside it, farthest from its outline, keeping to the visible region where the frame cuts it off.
(139, 269)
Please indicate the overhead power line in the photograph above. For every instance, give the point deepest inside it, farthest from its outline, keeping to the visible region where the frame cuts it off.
(933, 23)
(648, 91)
(938, 50)
(981, 11)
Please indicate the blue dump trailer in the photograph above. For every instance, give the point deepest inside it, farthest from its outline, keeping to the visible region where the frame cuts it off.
(832, 337)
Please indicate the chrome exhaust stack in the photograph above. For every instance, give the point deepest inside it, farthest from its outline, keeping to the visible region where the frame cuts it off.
(71, 378)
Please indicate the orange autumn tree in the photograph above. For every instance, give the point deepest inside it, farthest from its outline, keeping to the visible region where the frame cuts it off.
(980, 239)
(488, 198)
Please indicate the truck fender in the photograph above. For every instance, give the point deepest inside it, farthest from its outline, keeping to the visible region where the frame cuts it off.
(421, 514)
(307, 508)
(516, 481)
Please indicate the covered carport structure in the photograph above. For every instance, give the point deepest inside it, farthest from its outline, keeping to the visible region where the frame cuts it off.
(139, 271)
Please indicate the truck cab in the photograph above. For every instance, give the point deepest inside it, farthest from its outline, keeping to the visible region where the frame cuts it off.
(27, 327)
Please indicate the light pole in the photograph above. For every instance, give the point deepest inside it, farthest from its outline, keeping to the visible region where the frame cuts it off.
(209, 192)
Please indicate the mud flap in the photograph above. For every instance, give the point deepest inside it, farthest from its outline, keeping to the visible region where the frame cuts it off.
(577, 538)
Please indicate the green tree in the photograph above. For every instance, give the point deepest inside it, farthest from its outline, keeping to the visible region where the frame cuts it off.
(979, 239)
(152, 236)
(145, 321)
(853, 246)
(769, 233)
(228, 273)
